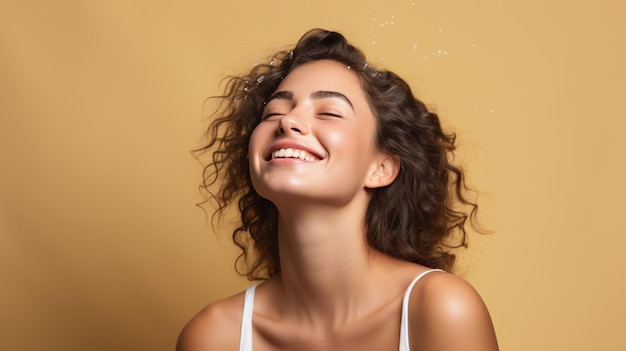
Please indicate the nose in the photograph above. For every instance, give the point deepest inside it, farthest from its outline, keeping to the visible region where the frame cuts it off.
(292, 124)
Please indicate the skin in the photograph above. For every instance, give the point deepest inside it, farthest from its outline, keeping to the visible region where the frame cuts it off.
(335, 292)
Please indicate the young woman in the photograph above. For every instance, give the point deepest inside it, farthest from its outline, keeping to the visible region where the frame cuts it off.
(349, 207)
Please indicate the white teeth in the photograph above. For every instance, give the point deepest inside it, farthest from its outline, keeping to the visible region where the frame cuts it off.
(291, 153)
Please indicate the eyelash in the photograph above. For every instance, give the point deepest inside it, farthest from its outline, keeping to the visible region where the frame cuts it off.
(272, 114)
(329, 114)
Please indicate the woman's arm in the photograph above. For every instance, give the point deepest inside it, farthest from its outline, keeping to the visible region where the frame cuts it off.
(215, 328)
(447, 314)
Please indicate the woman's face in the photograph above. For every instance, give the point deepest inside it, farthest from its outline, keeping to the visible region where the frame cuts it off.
(316, 137)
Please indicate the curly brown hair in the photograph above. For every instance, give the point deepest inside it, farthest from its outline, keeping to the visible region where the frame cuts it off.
(413, 219)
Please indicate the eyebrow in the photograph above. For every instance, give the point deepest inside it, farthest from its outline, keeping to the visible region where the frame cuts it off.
(316, 95)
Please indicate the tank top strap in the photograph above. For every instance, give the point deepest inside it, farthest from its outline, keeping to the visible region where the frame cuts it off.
(245, 339)
(404, 322)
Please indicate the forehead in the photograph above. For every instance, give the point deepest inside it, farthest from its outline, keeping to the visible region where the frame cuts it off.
(323, 75)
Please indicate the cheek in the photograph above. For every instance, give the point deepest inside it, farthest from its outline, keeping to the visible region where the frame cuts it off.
(356, 143)
(253, 142)
(255, 146)
(257, 138)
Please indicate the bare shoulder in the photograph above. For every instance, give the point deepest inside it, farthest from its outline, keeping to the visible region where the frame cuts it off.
(447, 313)
(216, 327)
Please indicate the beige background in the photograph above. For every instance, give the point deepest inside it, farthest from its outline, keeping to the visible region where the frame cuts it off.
(102, 248)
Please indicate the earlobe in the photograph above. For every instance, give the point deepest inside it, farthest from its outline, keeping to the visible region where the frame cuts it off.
(384, 172)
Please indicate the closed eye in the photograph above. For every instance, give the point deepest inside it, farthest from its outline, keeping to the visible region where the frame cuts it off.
(329, 114)
(271, 114)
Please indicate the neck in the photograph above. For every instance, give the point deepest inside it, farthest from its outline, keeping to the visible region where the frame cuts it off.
(325, 261)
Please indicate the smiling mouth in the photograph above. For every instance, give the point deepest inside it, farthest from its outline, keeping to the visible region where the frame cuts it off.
(293, 153)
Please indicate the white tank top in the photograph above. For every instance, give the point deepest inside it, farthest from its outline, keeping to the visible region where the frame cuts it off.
(245, 340)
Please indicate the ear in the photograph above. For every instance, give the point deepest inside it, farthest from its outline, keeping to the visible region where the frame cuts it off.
(383, 172)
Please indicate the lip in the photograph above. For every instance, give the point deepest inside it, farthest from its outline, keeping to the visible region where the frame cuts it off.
(287, 144)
